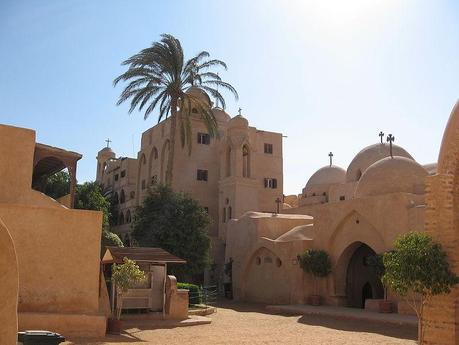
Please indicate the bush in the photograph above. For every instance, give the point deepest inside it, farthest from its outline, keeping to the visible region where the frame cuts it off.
(195, 292)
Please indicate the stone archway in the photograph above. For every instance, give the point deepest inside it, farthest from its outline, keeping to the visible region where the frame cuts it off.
(361, 280)
(9, 288)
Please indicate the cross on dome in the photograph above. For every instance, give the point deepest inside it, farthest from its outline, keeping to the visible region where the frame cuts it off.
(381, 135)
(390, 139)
(331, 158)
(108, 141)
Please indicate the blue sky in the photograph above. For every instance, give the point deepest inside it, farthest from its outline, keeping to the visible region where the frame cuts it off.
(327, 74)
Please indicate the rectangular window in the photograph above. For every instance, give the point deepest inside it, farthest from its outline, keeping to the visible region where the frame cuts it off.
(123, 173)
(206, 209)
(202, 175)
(269, 148)
(271, 183)
(342, 197)
(203, 138)
(143, 184)
(116, 177)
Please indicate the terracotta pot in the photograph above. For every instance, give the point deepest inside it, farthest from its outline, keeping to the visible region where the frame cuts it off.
(114, 326)
(386, 307)
(315, 300)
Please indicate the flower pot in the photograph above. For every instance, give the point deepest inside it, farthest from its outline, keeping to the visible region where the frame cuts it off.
(315, 300)
(114, 326)
(386, 307)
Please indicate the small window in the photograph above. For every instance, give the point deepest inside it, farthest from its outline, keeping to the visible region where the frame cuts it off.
(154, 179)
(194, 111)
(271, 183)
(116, 177)
(269, 148)
(123, 173)
(342, 197)
(224, 215)
(206, 209)
(230, 213)
(202, 175)
(132, 194)
(143, 184)
(203, 138)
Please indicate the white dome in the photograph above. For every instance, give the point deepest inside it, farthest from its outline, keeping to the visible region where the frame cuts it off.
(369, 155)
(392, 175)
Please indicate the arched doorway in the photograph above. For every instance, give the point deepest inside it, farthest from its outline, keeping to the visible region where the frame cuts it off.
(361, 280)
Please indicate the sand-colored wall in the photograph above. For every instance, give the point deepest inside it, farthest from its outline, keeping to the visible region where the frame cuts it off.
(57, 248)
(8, 288)
(441, 314)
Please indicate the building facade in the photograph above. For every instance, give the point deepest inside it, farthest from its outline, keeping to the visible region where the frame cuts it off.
(239, 171)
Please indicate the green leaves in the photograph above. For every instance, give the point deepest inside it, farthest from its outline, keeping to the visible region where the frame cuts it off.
(316, 262)
(418, 264)
(175, 222)
(127, 275)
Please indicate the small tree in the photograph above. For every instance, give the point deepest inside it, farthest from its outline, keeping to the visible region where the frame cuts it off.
(376, 262)
(177, 223)
(418, 269)
(317, 263)
(125, 277)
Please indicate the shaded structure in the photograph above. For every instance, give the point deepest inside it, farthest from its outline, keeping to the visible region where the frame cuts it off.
(158, 293)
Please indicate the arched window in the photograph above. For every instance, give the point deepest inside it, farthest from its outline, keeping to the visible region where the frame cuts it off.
(122, 197)
(164, 159)
(128, 216)
(230, 212)
(228, 162)
(121, 219)
(245, 161)
(115, 198)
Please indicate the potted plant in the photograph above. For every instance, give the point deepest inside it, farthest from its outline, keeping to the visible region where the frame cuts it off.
(317, 263)
(124, 277)
(377, 264)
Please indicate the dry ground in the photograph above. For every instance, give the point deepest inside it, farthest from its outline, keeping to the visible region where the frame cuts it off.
(251, 324)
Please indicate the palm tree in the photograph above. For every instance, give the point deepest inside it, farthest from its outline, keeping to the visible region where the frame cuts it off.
(159, 78)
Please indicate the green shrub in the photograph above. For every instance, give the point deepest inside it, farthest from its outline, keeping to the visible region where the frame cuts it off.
(316, 262)
(195, 292)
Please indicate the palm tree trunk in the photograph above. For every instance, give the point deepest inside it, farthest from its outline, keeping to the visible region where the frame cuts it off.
(170, 158)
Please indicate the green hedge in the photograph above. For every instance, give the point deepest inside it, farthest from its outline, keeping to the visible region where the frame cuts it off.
(195, 292)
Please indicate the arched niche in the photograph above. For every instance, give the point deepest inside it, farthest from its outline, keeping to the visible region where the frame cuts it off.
(8, 288)
(164, 158)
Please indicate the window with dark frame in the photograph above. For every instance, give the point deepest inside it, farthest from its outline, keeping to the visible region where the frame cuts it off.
(271, 183)
(342, 197)
(206, 209)
(269, 148)
(123, 173)
(116, 177)
(202, 175)
(203, 138)
(143, 184)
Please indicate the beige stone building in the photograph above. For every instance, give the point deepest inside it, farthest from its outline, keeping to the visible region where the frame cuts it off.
(350, 213)
(230, 175)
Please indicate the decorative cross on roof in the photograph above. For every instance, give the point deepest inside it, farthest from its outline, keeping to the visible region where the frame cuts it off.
(278, 202)
(108, 141)
(240, 109)
(331, 158)
(390, 139)
(381, 135)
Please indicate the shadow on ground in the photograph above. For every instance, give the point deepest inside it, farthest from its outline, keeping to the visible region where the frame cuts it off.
(386, 329)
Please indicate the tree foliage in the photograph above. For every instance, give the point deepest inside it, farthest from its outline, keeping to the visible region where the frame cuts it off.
(126, 276)
(89, 196)
(418, 269)
(174, 222)
(158, 78)
(58, 185)
(316, 262)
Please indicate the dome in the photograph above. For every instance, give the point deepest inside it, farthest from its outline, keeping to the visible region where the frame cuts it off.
(239, 121)
(106, 153)
(392, 175)
(369, 155)
(199, 93)
(327, 175)
(221, 115)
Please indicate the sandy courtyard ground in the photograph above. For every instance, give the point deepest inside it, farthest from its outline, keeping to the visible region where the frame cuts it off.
(251, 324)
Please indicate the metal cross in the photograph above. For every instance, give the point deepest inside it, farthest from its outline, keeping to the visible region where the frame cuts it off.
(331, 158)
(390, 139)
(278, 202)
(240, 109)
(381, 135)
(108, 141)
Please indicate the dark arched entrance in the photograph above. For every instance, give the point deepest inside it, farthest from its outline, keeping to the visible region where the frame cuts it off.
(361, 281)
